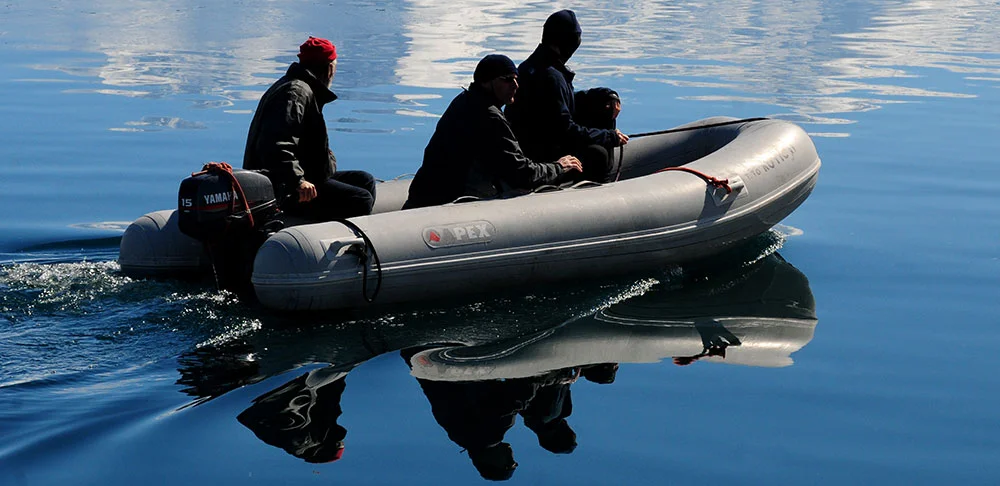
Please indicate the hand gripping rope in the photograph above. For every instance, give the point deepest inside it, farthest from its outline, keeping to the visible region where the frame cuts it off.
(224, 169)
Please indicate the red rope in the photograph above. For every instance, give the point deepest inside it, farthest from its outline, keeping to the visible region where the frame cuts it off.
(224, 168)
(713, 181)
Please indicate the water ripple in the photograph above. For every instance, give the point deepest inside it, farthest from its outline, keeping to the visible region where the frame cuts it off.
(70, 317)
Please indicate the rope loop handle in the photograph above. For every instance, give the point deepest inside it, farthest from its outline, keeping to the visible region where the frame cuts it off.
(711, 180)
(226, 170)
(365, 263)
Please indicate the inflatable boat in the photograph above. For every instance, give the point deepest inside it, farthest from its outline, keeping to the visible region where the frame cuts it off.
(677, 195)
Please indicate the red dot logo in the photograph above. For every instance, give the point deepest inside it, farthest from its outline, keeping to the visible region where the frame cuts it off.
(434, 237)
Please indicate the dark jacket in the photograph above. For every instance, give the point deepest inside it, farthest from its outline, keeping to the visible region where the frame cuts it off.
(544, 110)
(300, 418)
(472, 151)
(477, 414)
(288, 137)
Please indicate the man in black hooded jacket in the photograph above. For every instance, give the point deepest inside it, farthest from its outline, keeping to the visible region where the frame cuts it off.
(473, 151)
(544, 114)
(288, 141)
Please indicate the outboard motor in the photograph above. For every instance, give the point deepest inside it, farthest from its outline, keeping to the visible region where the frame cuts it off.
(232, 212)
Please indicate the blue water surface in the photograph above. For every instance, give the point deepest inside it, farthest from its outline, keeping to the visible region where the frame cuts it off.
(853, 344)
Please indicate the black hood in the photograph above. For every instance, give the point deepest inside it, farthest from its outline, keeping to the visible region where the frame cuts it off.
(562, 30)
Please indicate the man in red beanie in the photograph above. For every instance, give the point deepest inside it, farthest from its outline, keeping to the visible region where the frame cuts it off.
(288, 142)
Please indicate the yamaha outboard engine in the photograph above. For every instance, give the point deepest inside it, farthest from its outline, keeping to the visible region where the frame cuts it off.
(232, 212)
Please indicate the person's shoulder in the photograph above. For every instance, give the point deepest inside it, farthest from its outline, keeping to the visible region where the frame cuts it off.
(461, 97)
(554, 78)
(527, 70)
(289, 87)
(299, 86)
(495, 118)
(554, 73)
(494, 111)
(457, 104)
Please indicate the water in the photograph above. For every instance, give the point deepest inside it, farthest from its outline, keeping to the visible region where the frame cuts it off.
(105, 106)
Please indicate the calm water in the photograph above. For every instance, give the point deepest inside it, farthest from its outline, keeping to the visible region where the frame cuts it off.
(855, 344)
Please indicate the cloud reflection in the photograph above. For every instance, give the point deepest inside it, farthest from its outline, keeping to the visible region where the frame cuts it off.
(809, 57)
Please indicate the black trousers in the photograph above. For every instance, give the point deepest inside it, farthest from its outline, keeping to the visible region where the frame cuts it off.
(596, 162)
(592, 111)
(347, 194)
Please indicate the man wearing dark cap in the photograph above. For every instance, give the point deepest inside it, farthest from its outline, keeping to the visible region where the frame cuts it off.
(288, 141)
(473, 151)
(545, 114)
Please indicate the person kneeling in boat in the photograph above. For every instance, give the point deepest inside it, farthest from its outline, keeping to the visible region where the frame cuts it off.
(473, 151)
(549, 118)
(288, 142)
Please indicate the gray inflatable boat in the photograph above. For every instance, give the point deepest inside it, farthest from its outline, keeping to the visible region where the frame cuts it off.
(679, 195)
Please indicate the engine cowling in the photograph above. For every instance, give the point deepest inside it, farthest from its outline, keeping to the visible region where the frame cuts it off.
(232, 212)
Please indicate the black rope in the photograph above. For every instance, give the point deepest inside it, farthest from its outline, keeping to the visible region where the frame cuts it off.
(699, 127)
(369, 247)
(621, 157)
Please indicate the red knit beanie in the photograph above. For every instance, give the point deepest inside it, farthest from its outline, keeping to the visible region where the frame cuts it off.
(317, 50)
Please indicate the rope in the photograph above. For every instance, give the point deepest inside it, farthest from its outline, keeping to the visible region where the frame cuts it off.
(698, 127)
(713, 181)
(621, 148)
(621, 156)
(369, 247)
(222, 168)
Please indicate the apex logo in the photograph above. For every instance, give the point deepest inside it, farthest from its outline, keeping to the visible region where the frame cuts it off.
(459, 234)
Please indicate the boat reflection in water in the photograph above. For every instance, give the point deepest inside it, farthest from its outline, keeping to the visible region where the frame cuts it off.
(756, 315)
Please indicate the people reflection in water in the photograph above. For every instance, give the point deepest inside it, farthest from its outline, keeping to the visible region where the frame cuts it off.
(552, 404)
(301, 416)
(477, 414)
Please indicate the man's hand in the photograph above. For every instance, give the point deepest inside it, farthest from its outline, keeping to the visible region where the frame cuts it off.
(622, 138)
(569, 163)
(307, 191)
